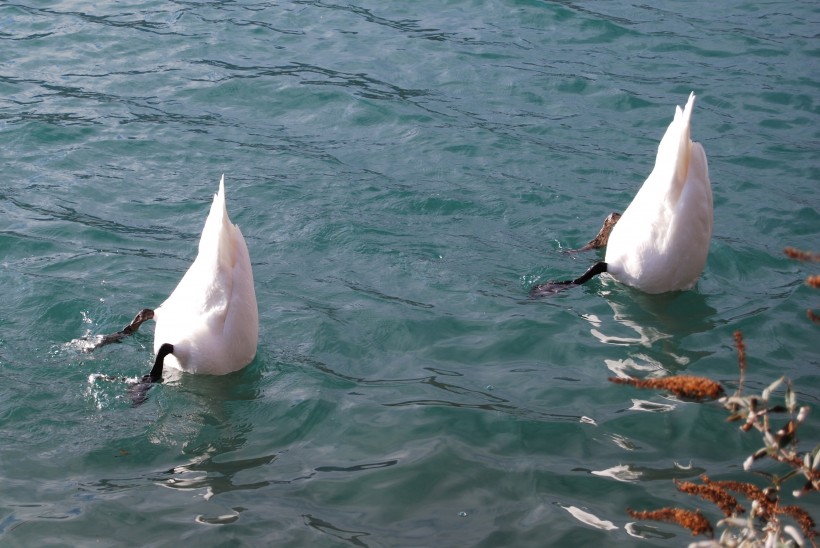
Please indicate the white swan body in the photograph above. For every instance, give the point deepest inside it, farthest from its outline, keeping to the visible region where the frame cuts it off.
(662, 239)
(211, 318)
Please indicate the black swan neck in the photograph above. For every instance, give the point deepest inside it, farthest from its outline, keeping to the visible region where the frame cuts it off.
(156, 372)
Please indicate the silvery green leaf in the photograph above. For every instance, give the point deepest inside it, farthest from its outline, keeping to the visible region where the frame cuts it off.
(795, 534)
(790, 399)
(804, 412)
(766, 393)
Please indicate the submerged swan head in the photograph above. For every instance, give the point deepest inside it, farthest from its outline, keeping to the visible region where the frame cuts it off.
(211, 319)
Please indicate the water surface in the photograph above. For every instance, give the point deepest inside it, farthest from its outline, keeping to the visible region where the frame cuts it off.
(403, 173)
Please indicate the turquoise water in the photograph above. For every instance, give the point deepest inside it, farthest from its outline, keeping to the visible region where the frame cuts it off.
(403, 172)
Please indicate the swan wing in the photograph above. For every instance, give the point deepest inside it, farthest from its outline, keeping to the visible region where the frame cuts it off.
(663, 187)
(204, 290)
(241, 320)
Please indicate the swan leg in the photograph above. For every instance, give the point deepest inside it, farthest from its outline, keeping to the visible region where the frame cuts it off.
(142, 316)
(551, 288)
(602, 238)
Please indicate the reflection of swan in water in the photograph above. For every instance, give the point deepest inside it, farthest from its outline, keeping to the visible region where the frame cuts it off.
(212, 431)
(221, 468)
(203, 430)
(654, 326)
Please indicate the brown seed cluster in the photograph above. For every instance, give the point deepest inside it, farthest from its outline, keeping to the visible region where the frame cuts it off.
(766, 506)
(694, 521)
(741, 352)
(717, 493)
(684, 386)
(813, 280)
(802, 518)
(714, 494)
(780, 446)
(800, 255)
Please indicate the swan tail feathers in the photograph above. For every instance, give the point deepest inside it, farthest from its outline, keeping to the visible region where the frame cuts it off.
(684, 142)
(219, 197)
(218, 232)
(675, 151)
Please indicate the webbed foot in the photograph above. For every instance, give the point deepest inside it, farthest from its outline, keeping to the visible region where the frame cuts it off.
(602, 238)
(97, 341)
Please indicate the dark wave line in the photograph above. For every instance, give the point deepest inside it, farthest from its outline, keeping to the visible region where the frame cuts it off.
(142, 25)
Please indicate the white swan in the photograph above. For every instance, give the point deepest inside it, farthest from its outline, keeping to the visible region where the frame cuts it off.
(210, 322)
(211, 319)
(661, 241)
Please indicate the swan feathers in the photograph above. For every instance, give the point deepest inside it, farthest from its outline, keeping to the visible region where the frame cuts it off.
(661, 241)
(211, 318)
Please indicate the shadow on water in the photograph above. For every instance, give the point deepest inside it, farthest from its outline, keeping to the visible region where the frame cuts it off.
(655, 317)
(654, 328)
(216, 425)
(208, 417)
(352, 537)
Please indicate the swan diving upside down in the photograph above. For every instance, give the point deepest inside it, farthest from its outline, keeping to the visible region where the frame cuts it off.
(661, 241)
(210, 322)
